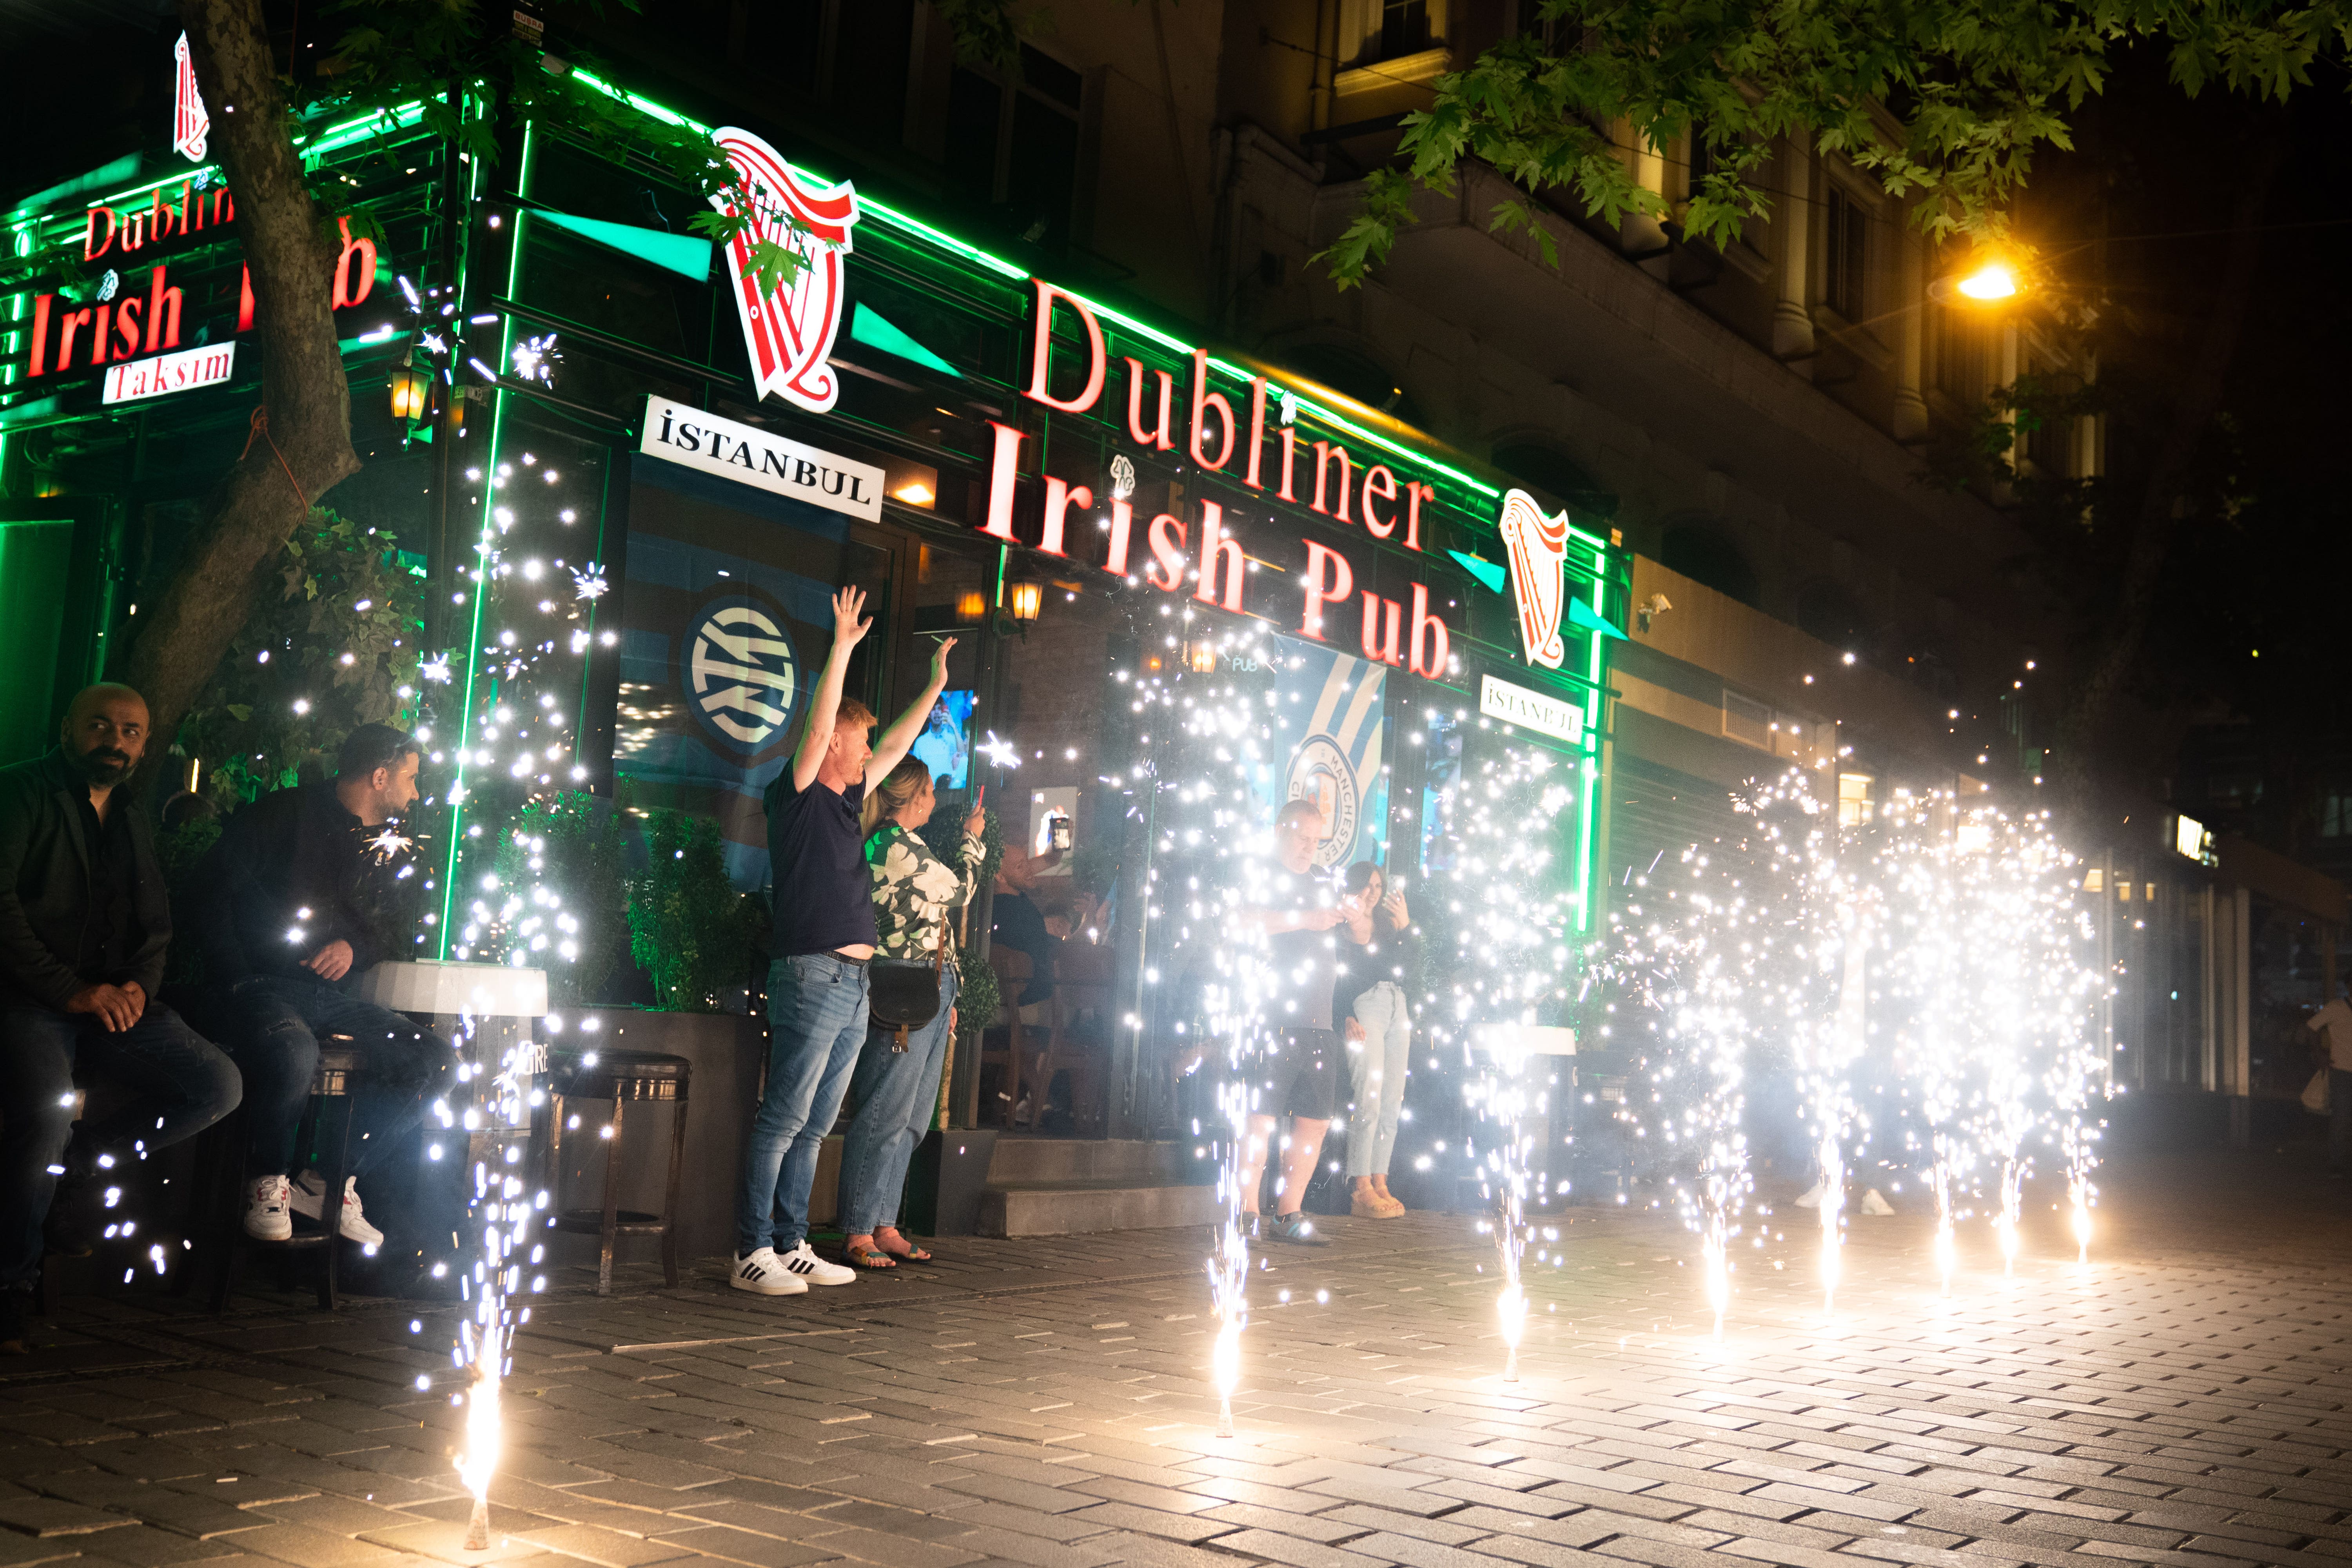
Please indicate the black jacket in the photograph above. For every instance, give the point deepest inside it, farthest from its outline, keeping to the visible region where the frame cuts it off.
(45, 887)
(297, 861)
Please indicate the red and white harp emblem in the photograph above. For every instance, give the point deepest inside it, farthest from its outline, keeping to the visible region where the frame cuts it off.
(189, 121)
(789, 329)
(1538, 547)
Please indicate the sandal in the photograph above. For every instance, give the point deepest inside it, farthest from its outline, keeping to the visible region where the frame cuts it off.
(869, 1257)
(913, 1254)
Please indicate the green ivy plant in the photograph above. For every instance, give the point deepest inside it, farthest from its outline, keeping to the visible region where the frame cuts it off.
(688, 928)
(333, 648)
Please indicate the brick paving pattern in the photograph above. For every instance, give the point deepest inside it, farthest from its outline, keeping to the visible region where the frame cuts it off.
(2181, 1402)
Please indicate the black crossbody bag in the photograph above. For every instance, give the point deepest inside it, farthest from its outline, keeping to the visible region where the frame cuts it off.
(903, 994)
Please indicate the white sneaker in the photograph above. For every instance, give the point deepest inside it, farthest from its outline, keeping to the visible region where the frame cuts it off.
(267, 1217)
(308, 1200)
(764, 1274)
(806, 1263)
(1816, 1192)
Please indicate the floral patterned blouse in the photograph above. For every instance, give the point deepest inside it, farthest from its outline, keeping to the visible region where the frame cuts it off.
(915, 890)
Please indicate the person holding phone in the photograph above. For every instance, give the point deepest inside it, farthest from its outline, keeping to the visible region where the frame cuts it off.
(1378, 1042)
(895, 1088)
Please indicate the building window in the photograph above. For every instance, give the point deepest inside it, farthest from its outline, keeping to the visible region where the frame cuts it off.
(1014, 147)
(2335, 816)
(1846, 256)
(1706, 557)
(1960, 356)
(1747, 720)
(1853, 799)
(1405, 27)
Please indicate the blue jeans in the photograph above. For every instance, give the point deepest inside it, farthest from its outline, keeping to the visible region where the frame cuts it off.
(1376, 1069)
(816, 1022)
(2339, 1121)
(273, 1024)
(892, 1098)
(181, 1085)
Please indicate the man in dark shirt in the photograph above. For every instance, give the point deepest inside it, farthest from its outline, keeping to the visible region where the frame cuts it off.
(305, 890)
(84, 923)
(823, 939)
(1300, 915)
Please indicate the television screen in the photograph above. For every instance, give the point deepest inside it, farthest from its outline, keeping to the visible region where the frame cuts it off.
(945, 744)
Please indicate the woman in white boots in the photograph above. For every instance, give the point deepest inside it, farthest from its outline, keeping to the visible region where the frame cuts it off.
(1380, 1031)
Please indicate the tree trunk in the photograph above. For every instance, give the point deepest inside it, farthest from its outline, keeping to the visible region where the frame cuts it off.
(308, 446)
(2083, 720)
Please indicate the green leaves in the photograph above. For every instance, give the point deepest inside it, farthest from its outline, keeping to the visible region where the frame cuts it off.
(1944, 102)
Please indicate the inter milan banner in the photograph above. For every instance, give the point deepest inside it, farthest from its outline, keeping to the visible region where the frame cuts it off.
(1328, 729)
(726, 617)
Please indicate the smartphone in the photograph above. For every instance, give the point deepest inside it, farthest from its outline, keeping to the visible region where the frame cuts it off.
(1061, 833)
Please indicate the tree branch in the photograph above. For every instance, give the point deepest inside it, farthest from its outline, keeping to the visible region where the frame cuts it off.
(307, 448)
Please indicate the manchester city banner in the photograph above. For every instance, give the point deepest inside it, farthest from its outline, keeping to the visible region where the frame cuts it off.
(1329, 724)
(725, 617)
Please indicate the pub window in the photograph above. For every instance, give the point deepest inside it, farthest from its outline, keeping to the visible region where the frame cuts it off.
(1014, 147)
(1846, 256)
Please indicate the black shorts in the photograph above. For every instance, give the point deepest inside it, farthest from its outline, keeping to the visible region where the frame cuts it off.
(1297, 1075)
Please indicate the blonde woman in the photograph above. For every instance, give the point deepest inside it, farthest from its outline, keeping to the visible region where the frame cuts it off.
(894, 1089)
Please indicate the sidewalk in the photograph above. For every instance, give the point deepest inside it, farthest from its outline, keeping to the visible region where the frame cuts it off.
(2183, 1401)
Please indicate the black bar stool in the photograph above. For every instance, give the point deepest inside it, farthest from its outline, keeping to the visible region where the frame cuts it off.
(621, 1077)
(223, 1166)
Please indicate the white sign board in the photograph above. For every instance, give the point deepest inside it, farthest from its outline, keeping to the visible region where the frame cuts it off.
(685, 434)
(1545, 715)
(206, 364)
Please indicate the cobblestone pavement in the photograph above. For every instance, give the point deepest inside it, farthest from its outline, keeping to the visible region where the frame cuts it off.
(2179, 1400)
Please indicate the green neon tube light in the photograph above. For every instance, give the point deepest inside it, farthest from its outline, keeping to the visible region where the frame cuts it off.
(332, 138)
(998, 265)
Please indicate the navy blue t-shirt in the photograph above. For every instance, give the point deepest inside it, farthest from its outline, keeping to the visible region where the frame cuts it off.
(824, 900)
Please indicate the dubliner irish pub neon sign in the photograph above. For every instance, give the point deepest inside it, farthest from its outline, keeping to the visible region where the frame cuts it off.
(1322, 476)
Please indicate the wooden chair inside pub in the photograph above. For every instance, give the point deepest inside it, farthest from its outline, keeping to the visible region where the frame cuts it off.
(1004, 1044)
(1079, 1042)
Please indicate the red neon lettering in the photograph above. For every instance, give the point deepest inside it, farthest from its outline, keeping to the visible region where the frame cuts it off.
(1202, 401)
(39, 360)
(1412, 497)
(1041, 345)
(1169, 551)
(91, 246)
(1329, 581)
(1374, 649)
(126, 328)
(1059, 498)
(1258, 431)
(1122, 529)
(98, 335)
(1161, 438)
(164, 305)
(69, 323)
(1221, 555)
(1289, 460)
(1426, 626)
(1324, 452)
(1002, 469)
(224, 208)
(354, 289)
(244, 300)
(1379, 481)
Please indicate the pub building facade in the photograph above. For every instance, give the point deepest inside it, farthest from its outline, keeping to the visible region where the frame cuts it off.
(632, 479)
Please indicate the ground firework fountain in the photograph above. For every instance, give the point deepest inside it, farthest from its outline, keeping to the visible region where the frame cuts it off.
(1940, 951)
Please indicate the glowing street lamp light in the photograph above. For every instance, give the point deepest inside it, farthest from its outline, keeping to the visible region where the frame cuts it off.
(1988, 282)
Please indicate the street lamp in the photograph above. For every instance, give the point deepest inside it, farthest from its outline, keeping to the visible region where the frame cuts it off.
(1022, 600)
(1988, 282)
(410, 387)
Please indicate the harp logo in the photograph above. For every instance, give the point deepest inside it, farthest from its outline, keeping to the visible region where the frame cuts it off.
(739, 673)
(1538, 547)
(190, 123)
(789, 330)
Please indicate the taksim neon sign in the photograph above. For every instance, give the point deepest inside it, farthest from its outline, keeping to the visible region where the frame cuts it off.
(1216, 440)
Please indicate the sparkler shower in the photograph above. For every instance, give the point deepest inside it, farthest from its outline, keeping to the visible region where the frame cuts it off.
(1922, 981)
